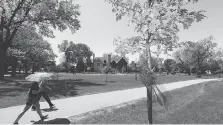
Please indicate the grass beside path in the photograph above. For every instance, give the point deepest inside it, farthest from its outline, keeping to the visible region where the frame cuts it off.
(13, 91)
(196, 104)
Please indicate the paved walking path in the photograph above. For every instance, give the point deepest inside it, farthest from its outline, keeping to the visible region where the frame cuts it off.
(82, 104)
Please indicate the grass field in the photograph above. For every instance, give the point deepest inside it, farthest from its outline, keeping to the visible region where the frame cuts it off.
(197, 104)
(13, 90)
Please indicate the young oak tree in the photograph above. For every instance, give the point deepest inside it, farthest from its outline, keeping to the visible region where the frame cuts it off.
(44, 15)
(156, 22)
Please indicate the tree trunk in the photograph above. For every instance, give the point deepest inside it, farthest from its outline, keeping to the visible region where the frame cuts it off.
(148, 55)
(149, 89)
(20, 67)
(33, 68)
(149, 104)
(135, 75)
(14, 65)
(26, 67)
(3, 51)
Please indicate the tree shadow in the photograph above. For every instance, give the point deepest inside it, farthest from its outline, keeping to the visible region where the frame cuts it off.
(54, 121)
(64, 88)
(110, 81)
(68, 87)
(49, 109)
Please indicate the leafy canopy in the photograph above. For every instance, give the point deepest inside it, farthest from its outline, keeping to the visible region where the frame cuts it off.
(44, 15)
(156, 24)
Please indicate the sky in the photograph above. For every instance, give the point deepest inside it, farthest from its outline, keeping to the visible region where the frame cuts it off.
(99, 27)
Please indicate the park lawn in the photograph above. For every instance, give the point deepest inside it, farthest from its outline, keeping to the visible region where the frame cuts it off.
(13, 91)
(196, 104)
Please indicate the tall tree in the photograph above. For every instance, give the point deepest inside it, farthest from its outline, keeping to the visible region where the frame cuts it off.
(202, 49)
(43, 15)
(156, 22)
(169, 65)
(65, 48)
(184, 57)
(32, 47)
(75, 53)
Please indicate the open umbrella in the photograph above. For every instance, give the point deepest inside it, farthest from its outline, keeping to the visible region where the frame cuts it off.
(37, 77)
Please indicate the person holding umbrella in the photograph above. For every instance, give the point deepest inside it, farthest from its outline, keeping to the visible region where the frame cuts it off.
(43, 92)
(32, 99)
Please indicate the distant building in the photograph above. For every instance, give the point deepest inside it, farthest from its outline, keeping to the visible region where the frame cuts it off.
(121, 63)
(113, 64)
(98, 65)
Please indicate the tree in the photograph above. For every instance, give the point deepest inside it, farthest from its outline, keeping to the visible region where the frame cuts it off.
(32, 47)
(201, 51)
(156, 22)
(184, 57)
(80, 66)
(121, 51)
(64, 47)
(143, 61)
(43, 15)
(106, 70)
(169, 65)
(76, 52)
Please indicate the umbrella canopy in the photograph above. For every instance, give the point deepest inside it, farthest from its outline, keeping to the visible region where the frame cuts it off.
(37, 77)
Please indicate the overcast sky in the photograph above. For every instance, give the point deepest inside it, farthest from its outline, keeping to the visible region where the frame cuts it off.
(99, 27)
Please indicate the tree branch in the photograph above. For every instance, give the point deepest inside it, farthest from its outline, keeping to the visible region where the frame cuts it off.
(9, 41)
(114, 3)
(2, 25)
(15, 12)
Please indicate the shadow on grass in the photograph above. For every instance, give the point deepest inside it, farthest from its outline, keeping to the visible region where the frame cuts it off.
(54, 121)
(68, 87)
(65, 87)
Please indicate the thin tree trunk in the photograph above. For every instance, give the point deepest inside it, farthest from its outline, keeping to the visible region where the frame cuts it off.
(106, 77)
(135, 75)
(26, 67)
(33, 68)
(149, 104)
(3, 51)
(20, 67)
(149, 89)
(14, 64)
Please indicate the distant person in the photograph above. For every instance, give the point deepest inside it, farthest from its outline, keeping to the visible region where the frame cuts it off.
(32, 99)
(43, 92)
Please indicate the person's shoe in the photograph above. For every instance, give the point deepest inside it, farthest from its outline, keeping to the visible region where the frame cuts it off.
(52, 106)
(44, 117)
(15, 123)
(33, 109)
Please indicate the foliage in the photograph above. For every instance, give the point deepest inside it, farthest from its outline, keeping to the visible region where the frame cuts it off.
(42, 16)
(169, 65)
(194, 54)
(202, 50)
(76, 53)
(80, 66)
(156, 24)
(107, 69)
(31, 46)
(143, 61)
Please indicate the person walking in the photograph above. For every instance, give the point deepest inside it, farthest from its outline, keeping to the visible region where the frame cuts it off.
(32, 99)
(43, 92)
